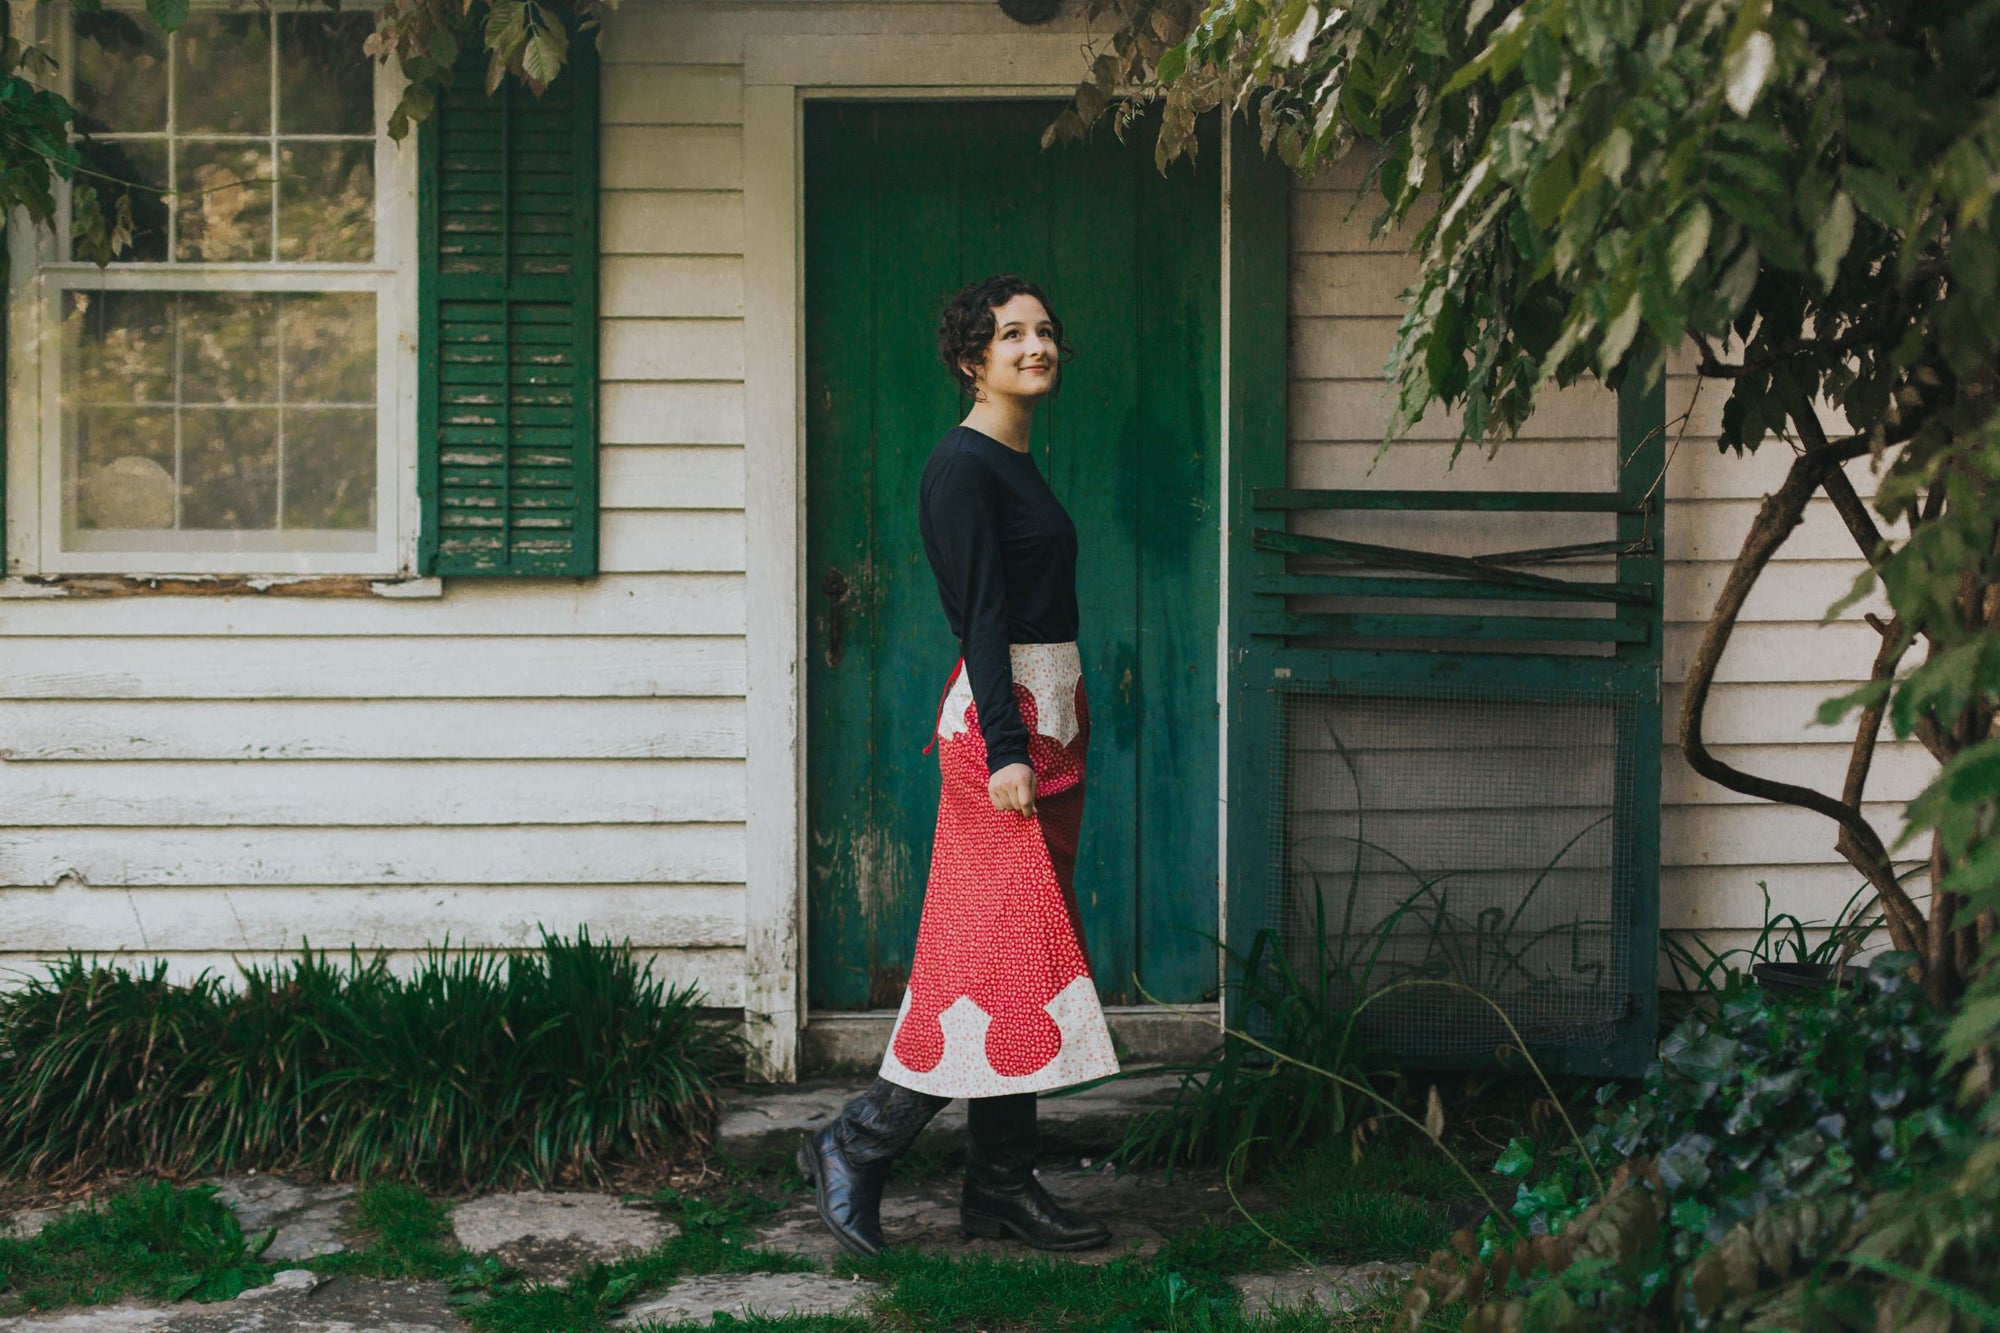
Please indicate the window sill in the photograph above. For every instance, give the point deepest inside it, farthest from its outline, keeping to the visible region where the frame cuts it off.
(48, 587)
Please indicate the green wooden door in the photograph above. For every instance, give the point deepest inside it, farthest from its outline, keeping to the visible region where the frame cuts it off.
(905, 202)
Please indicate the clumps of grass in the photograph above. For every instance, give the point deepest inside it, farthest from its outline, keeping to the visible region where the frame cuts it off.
(1240, 1106)
(402, 1232)
(715, 1236)
(551, 1064)
(153, 1240)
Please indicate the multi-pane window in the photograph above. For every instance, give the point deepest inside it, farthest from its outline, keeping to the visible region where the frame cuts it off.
(222, 396)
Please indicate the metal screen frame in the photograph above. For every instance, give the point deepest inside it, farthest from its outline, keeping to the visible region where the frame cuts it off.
(1612, 651)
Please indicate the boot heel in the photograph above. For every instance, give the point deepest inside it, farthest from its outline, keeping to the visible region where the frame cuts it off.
(981, 1225)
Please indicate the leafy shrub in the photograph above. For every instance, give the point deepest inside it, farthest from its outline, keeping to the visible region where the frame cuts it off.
(1745, 1151)
(545, 1064)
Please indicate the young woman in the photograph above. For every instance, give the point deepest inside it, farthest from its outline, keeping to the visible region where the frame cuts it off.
(1001, 1004)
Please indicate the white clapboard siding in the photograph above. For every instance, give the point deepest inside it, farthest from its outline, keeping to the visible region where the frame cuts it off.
(1696, 897)
(715, 34)
(1713, 529)
(698, 916)
(716, 975)
(694, 286)
(271, 857)
(706, 222)
(655, 477)
(1692, 472)
(643, 603)
(686, 413)
(373, 793)
(1347, 297)
(673, 157)
(1765, 713)
(1357, 410)
(529, 669)
(1898, 774)
(88, 731)
(188, 774)
(672, 349)
(690, 539)
(1832, 653)
(1431, 465)
(664, 94)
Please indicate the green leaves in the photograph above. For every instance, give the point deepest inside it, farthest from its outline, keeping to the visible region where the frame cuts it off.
(550, 1062)
(169, 14)
(1517, 1161)
(1690, 242)
(1832, 238)
(1761, 1122)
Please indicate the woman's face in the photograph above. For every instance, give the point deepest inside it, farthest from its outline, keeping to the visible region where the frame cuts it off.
(1021, 358)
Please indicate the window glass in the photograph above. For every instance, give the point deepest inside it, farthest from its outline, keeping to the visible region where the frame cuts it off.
(230, 412)
(223, 416)
(120, 73)
(326, 201)
(225, 201)
(222, 73)
(324, 87)
(249, 136)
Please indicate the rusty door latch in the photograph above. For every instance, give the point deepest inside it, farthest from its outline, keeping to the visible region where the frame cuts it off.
(836, 588)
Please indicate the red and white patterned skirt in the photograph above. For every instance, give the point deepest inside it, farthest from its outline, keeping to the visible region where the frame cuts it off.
(1000, 998)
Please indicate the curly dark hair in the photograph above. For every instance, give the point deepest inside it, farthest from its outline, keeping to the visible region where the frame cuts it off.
(966, 329)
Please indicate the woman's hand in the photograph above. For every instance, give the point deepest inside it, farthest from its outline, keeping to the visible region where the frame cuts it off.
(1013, 788)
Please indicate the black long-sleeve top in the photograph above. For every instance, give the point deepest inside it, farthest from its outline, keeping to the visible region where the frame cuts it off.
(1004, 553)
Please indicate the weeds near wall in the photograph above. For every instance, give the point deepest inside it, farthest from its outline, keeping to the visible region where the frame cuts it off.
(1237, 1102)
(546, 1065)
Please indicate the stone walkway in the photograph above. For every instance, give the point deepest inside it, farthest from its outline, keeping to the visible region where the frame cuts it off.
(548, 1235)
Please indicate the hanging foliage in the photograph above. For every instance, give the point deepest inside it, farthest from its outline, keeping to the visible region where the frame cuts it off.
(525, 40)
(1800, 193)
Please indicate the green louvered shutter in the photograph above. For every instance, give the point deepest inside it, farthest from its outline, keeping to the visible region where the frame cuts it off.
(507, 296)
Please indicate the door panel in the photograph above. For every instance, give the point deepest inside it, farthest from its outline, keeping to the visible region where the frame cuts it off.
(905, 202)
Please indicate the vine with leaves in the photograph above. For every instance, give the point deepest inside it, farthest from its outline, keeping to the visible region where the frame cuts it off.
(524, 40)
(1802, 192)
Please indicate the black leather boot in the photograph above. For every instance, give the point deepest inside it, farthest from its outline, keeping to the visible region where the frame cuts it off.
(847, 1161)
(1002, 1196)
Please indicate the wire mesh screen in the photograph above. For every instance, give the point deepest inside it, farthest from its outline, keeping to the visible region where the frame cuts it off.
(1473, 836)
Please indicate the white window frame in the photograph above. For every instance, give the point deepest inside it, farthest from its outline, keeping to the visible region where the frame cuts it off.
(39, 280)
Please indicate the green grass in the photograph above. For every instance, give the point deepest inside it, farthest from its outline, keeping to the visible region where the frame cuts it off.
(548, 1064)
(152, 1240)
(1393, 1203)
(716, 1231)
(399, 1232)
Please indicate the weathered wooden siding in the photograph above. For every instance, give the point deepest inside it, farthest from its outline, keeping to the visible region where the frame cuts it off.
(194, 777)
(1716, 845)
(189, 776)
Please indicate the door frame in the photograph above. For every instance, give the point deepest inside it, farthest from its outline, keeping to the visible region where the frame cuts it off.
(780, 74)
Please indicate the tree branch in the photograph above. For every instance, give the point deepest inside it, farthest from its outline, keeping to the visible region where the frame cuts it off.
(1859, 843)
(1834, 481)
